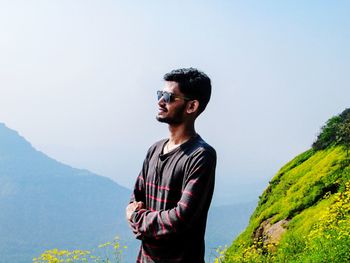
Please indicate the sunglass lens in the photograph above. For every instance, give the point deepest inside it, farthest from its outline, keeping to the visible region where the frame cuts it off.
(159, 94)
(166, 96)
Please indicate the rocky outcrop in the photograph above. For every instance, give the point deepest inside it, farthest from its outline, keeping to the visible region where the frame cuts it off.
(271, 233)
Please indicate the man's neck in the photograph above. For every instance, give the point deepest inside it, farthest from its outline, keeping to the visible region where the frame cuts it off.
(179, 134)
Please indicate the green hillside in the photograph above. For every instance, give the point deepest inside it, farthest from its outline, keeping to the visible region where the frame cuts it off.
(304, 213)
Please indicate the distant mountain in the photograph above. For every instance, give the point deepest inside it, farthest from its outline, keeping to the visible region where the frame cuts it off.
(304, 213)
(45, 204)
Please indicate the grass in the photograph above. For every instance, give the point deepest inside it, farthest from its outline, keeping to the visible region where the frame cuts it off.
(307, 191)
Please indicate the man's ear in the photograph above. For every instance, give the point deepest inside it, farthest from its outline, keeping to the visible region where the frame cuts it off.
(192, 106)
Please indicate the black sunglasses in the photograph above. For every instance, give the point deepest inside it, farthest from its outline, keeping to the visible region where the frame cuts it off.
(169, 97)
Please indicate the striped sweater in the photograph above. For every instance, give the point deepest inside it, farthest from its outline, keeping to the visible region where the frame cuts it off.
(176, 189)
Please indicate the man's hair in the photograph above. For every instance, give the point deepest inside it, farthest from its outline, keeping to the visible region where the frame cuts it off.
(193, 83)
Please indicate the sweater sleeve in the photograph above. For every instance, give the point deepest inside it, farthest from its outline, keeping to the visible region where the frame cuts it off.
(194, 202)
(138, 193)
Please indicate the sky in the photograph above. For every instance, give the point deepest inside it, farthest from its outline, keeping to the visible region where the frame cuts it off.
(78, 79)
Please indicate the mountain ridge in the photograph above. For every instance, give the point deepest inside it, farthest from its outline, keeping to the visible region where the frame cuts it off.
(47, 204)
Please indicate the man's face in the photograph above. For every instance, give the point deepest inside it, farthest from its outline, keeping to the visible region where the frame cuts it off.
(173, 111)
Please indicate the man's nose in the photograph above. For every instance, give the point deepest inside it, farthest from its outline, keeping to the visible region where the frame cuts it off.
(161, 101)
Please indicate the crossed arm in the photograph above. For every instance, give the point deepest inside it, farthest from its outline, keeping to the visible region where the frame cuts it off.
(132, 207)
(195, 198)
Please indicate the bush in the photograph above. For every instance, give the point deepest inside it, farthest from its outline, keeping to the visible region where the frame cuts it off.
(335, 131)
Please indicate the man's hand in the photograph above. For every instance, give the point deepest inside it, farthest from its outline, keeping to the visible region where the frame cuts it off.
(133, 207)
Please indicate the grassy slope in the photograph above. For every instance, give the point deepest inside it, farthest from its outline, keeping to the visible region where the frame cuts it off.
(296, 193)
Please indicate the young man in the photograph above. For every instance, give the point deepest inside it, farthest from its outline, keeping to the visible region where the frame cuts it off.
(169, 206)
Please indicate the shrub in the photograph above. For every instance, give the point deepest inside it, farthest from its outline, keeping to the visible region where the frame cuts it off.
(335, 131)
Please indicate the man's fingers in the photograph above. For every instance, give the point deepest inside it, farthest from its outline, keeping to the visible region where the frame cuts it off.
(132, 207)
(140, 205)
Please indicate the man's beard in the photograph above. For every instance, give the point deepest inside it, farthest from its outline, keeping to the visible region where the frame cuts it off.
(177, 118)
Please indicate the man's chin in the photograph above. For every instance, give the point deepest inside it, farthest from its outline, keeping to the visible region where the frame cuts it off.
(162, 119)
(169, 121)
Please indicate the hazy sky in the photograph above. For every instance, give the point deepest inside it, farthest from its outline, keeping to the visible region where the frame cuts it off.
(78, 79)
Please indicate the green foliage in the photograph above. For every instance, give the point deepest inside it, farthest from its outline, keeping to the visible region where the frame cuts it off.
(109, 252)
(328, 134)
(335, 131)
(307, 206)
(303, 183)
(309, 191)
(343, 135)
(329, 239)
(324, 238)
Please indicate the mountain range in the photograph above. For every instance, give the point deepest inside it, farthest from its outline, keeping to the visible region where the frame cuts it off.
(45, 204)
